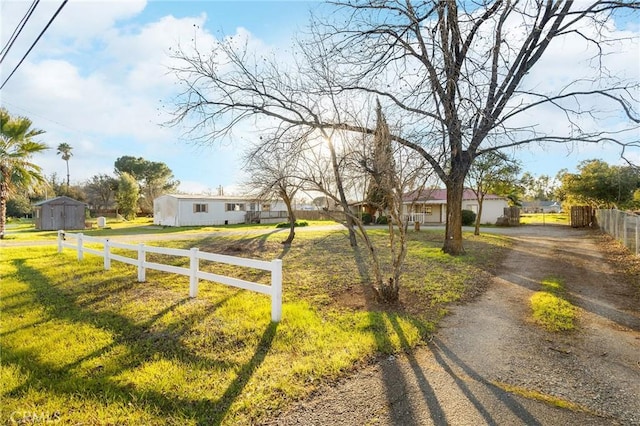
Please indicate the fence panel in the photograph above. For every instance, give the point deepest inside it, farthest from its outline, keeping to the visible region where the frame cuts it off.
(193, 272)
(581, 216)
(624, 227)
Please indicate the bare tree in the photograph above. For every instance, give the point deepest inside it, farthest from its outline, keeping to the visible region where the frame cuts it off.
(456, 74)
(391, 171)
(272, 173)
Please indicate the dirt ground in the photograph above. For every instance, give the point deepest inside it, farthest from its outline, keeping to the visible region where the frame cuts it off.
(490, 364)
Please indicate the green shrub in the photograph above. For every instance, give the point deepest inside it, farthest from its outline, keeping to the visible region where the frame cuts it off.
(468, 217)
(366, 218)
(298, 223)
(382, 220)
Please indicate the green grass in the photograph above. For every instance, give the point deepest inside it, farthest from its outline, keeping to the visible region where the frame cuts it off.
(550, 309)
(546, 219)
(24, 230)
(85, 346)
(539, 396)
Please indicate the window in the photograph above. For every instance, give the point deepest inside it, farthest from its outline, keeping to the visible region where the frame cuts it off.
(266, 207)
(200, 208)
(234, 207)
(421, 208)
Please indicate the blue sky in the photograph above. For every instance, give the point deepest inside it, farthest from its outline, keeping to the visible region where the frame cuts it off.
(97, 80)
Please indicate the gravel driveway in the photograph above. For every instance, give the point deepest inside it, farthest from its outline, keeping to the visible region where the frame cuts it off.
(490, 345)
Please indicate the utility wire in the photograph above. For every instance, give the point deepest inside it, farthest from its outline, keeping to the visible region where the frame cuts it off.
(35, 42)
(18, 30)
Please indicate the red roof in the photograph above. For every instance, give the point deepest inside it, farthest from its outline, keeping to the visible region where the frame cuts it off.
(434, 195)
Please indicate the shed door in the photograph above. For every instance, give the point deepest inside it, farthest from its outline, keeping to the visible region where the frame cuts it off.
(72, 218)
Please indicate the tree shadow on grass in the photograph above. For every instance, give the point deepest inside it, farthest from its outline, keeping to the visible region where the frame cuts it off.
(141, 342)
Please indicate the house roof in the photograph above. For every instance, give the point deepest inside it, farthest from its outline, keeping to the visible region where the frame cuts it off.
(540, 204)
(59, 200)
(209, 197)
(439, 196)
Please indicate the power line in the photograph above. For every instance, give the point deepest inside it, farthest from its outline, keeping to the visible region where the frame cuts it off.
(35, 42)
(18, 29)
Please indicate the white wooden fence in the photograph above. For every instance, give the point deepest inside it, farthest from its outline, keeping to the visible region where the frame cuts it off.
(193, 272)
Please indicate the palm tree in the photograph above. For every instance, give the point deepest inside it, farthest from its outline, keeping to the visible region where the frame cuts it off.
(17, 147)
(64, 149)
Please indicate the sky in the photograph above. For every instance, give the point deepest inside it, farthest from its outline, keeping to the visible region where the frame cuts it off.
(98, 80)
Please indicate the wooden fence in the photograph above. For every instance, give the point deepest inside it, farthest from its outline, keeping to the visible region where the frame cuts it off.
(582, 216)
(193, 272)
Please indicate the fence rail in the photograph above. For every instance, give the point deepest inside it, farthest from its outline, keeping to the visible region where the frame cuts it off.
(624, 227)
(193, 271)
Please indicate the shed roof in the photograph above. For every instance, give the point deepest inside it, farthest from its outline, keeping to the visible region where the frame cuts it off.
(59, 201)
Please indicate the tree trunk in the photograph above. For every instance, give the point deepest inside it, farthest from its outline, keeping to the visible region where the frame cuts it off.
(68, 179)
(476, 231)
(460, 163)
(3, 207)
(292, 219)
(453, 230)
(375, 261)
(353, 241)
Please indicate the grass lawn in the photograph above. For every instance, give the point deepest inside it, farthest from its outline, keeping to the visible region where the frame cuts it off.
(85, 346)
(544, 219)
(550, 309)
(24, 229)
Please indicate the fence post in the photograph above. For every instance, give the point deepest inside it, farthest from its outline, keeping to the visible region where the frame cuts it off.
(80, 252)
(107, 258)
(193, 275)
(276, 290)
(141, 260)
(637, 235)
(624, 231)
(60, 237)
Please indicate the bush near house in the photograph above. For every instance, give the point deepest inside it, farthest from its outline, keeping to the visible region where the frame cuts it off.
(468, 217)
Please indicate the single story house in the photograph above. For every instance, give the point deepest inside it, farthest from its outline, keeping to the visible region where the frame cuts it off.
(59, 213)
(200, 210)
(429, 206)
(541, 207)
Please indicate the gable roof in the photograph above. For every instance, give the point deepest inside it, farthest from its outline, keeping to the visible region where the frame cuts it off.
(208, 197)
(439, 196)
(59, 200)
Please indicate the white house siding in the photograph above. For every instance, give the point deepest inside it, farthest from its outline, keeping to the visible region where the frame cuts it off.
(492, 209)
(178, 210)
(165, 211)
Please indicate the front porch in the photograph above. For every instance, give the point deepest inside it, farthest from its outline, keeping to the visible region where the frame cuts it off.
(425, 213)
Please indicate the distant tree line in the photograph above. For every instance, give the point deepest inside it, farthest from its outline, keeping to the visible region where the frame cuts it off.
(129, 191)
(595, 183)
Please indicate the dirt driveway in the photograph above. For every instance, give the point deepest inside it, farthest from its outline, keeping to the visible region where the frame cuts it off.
(489, 364)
